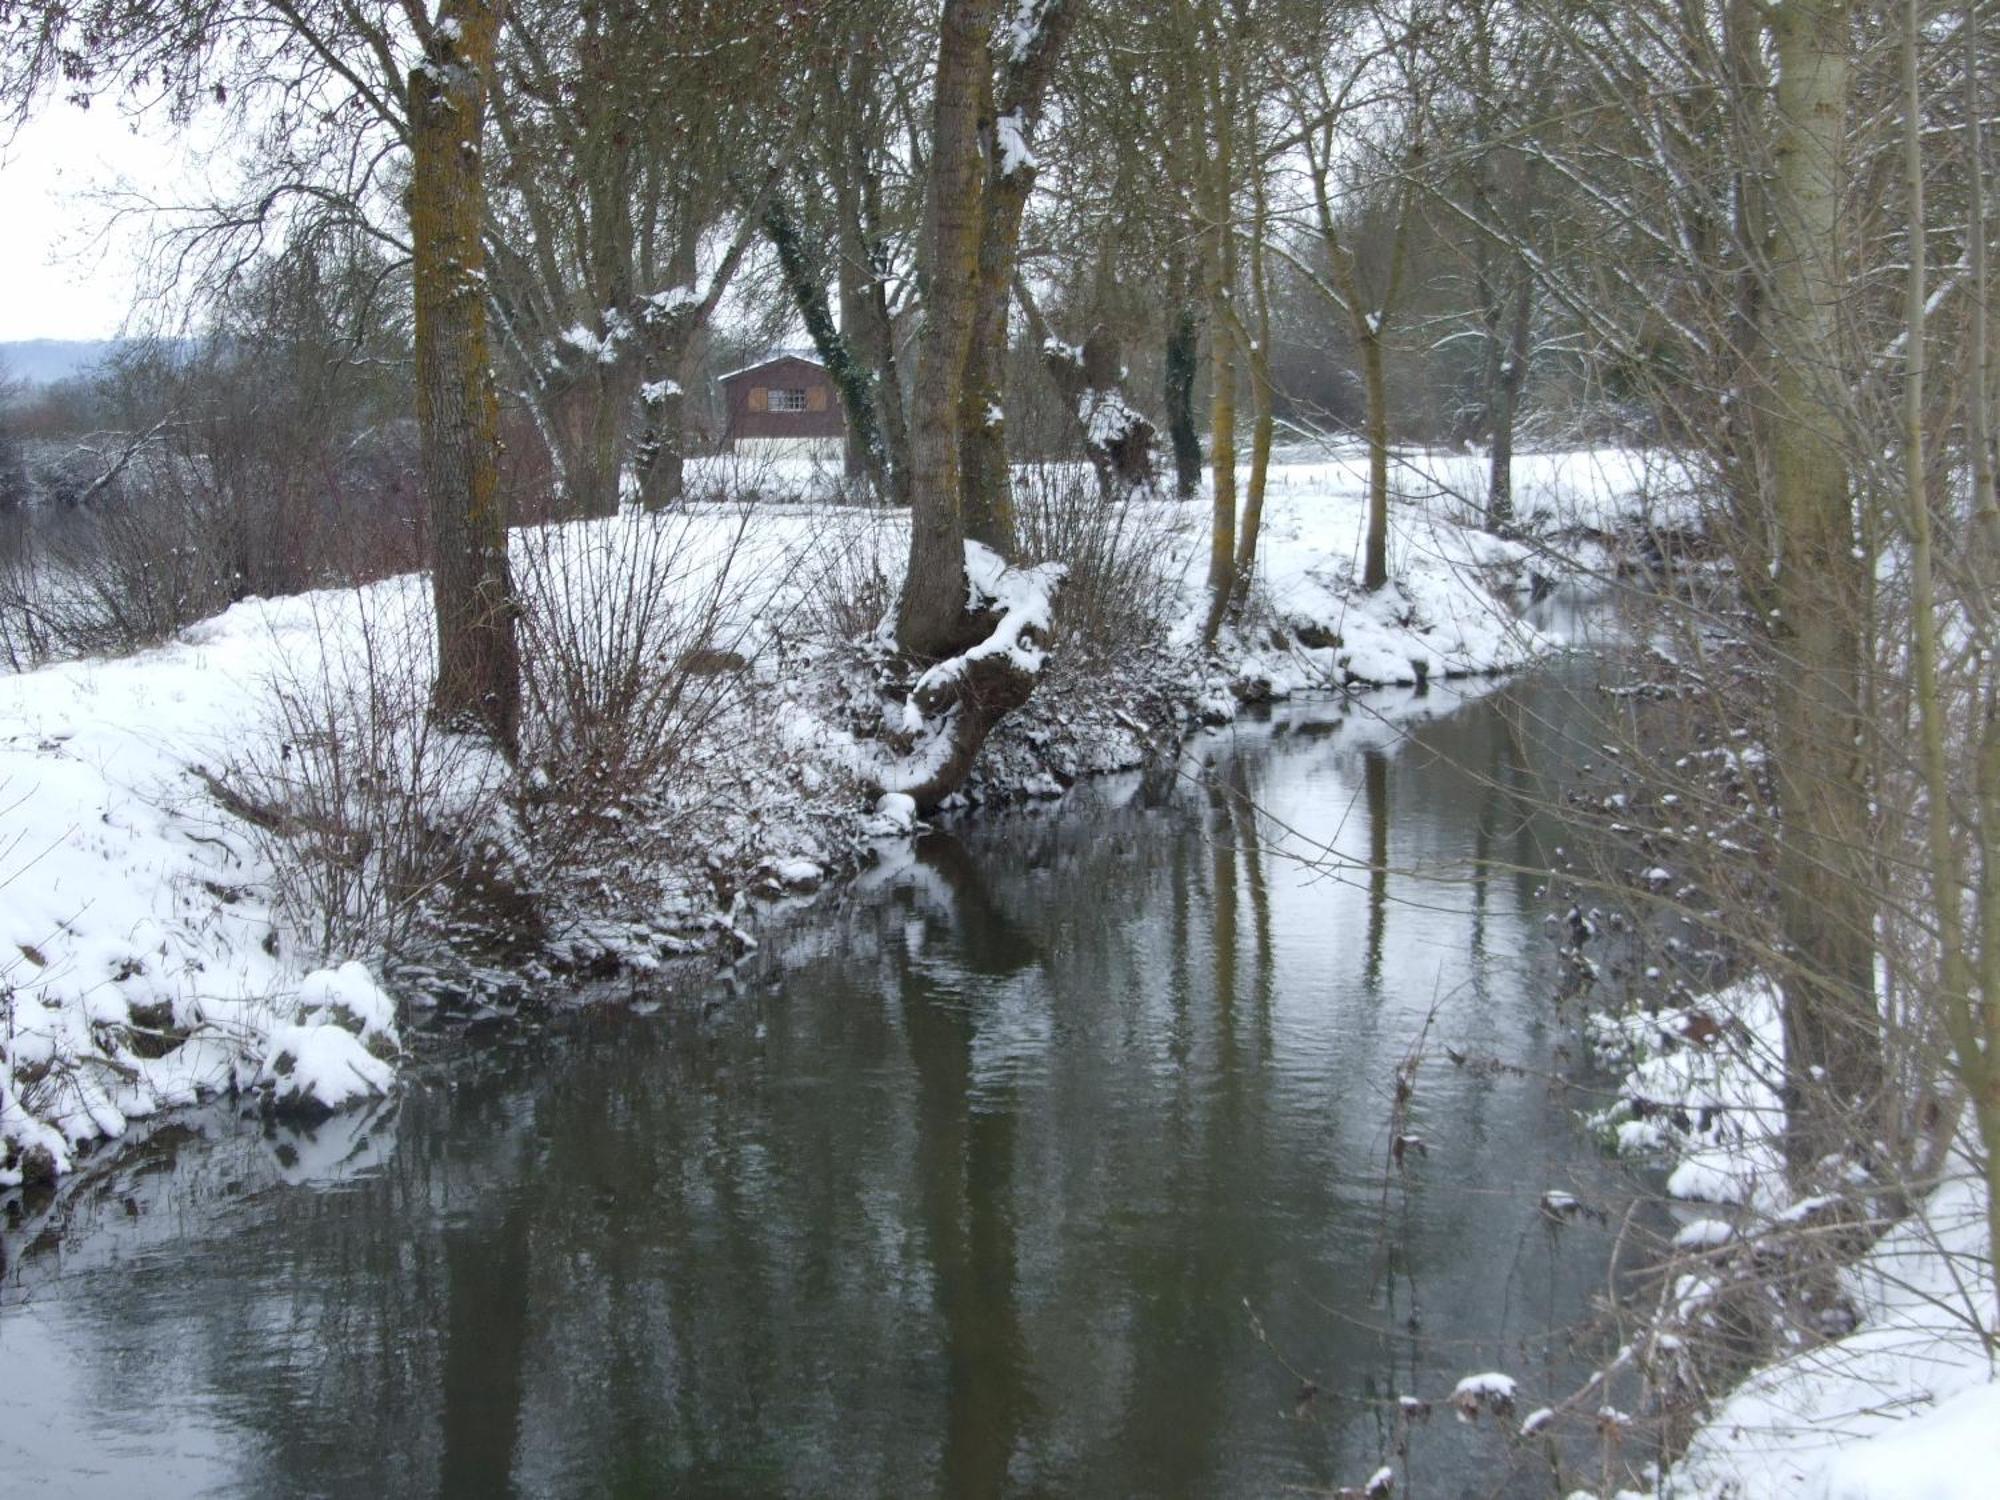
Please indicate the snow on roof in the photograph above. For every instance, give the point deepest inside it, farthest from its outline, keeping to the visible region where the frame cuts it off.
(780, 357)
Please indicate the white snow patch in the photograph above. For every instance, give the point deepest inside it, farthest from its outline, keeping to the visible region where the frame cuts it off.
(1012, 129)
(1904, 1408)
(321, 1066)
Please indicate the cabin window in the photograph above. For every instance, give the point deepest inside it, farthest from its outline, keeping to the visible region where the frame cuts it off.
(788, 401)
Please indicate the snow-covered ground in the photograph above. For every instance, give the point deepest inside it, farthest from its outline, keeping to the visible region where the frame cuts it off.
(1906, 1407)
(1902, 1406)
(149, 951)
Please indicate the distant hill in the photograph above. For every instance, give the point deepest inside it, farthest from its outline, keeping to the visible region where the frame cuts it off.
(45, 361)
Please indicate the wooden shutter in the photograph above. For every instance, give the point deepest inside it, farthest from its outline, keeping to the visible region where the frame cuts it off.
(816, 398)
(757, 398)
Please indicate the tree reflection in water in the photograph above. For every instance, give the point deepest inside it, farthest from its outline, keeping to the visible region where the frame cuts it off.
(972, 1188)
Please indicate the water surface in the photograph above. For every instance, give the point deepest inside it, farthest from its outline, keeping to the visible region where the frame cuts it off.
(1052, 1158)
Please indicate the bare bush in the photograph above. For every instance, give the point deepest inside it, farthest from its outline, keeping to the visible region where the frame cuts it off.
(373, 816)
(1121, 592)
(637, 634)
(848, 582)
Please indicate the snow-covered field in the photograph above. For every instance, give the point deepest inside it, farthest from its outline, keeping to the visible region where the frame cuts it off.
(148, 954)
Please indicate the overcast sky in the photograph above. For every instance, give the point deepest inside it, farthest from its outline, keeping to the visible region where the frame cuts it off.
(61, 277)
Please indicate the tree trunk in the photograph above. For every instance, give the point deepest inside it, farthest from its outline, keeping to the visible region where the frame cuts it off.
(1986, 1102)
(1510, 372)
(1746, 419)
(836, 352)
(1219, 284)
(602, 474)
(1010, 181)
(931, 618)
(985, 493)
(1116, 437)
(662, 458)
(1979, 424)
(871, 335)
(1222, 461)
(1832, 1032)
(1183, 353)
(857, 459)
(1263, 421)
(988, 494)
(1375, 561)
(458, 415)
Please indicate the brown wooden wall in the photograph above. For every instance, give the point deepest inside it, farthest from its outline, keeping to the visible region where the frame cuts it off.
(747, 400)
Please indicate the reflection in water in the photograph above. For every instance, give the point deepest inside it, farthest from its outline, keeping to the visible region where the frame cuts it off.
(1375, 776)
(1052, 1159)
(965, 1162)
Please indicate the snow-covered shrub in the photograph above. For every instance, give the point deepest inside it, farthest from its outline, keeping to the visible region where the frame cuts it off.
(25, 639)
(848, 577)
(1121, 559)
(127, 569)
(633, 640)
(372, 813)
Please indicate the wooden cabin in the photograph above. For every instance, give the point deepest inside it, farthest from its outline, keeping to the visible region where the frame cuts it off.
(783, 407)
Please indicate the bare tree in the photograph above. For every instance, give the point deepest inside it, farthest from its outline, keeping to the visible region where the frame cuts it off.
(627, 195)
(434, 108)
(1326, 93)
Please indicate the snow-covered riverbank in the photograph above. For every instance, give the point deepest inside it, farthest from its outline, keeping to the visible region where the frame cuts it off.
(1901, 1401)
(151, 951)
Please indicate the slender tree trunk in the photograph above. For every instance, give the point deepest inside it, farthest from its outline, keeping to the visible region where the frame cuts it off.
(1747, 440)
(931, 618)
(1979, 424)
(1972, 1036)
(614, 387)
(1222, 461)
(1509, 376)
(1263, 419)
(1375, 384)
(1183, 354)
(1832, 1031)
(458, 415)
(1219, 283)
(1986, 1102)
(1986, 714)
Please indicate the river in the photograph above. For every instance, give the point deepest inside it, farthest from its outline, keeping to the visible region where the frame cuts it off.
(1054, 1156)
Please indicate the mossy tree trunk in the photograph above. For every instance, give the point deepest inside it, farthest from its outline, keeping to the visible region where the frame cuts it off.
(865, 257)
(1013, 106)
(1263, 392)
(931, 617)
(458, 418)
(851, 379)
(1181, 362)
(1826, 909)
(1216, 195)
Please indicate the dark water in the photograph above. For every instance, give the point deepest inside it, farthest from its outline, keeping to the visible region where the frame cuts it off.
(1053, 1160)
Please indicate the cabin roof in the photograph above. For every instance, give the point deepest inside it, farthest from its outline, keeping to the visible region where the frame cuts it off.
(766, 363)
